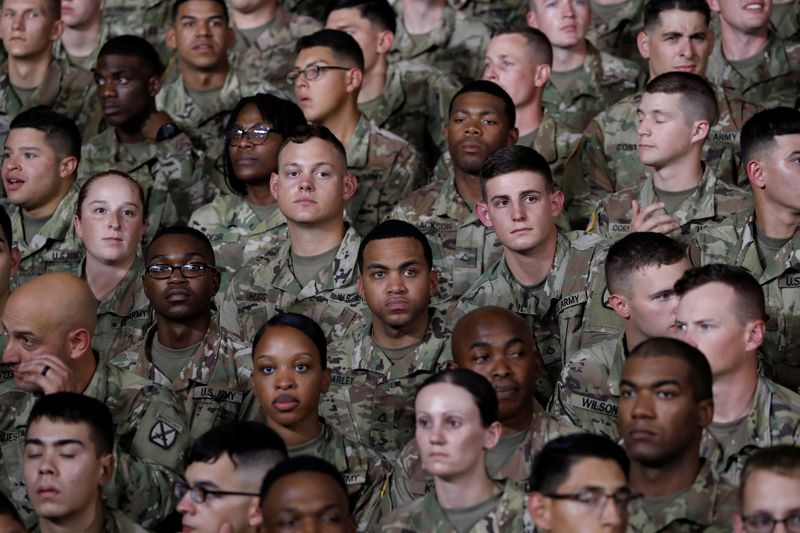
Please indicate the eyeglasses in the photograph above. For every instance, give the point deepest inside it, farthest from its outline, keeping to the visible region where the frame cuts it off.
(188, 270)
(764, 523)
(597, 499)
(309, 73)
(257, 134)
(199, 493)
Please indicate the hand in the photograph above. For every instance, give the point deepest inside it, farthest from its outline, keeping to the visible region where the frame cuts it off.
(642, 221)
(57, 378)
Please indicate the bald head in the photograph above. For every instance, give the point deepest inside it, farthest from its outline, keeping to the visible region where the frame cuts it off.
(484, 322)
(62, 301)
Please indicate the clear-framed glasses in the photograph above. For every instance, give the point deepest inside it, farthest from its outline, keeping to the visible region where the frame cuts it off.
(597, 499)
(188, 270)
(199, 493)
(765, 523)
(256, 134)
(310, 73)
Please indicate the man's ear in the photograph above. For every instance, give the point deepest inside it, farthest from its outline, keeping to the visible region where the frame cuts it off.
(643, 44)
(354, 80)
(539, 510)
(153, 85)
(15, 259)
(482, 211)
(705, 412)
(254, 516)
(385, 41)
(350, 185)
(171, 39)
(273, 185)
(106, 469)
(541, 75)
(619, 304)
(67, 166)
(80, 341)
(755, 174)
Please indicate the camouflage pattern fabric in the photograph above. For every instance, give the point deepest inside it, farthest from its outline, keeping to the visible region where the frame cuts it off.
(618, 36)
(149, 19)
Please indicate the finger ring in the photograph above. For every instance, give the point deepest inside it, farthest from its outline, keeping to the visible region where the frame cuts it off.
(45, 370)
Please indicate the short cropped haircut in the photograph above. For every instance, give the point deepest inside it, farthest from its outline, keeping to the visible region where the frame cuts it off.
(178, 229)
(391, 229)
(74, 408)
(476, 385)
(179, 3)
(305, 325)
(654, 8)
(301, 463)
(697, 102)
(552, 464)
(758, 133)
(380, 13)
(782, 460)
(133, 46)
(5, 225)
(749, 295)
(538, 43)
(488, 87)
(637, 251)
(7, 509)
(250, 445)
(307, 132)
(699, 371)
(283, 116)
(60, 132)
(516, 158)
(84, 192)
(344, 47)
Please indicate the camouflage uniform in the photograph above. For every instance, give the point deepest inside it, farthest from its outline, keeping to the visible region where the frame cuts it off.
(462, 247)
(787, 27)
(55, 248)
(267, 286)
(426, 514)
(151, 438)
(117, 522)
(89, 62)
(618, 36)
(588, 390)
(457, 46)
(774, 420)
(171, 174)
(607, 161)
(237, 234)
(124, 316)
(411, 481)
(566, 313)
(604, 80)
(387, 169)
(707, 506)
(414, 105)
(492, 12)
(710, 203)
(733, 241)
(310, 8)
(149, 19)
(775, 82)
(213, 383)
(365, 473)
(271, 56)
(371, 398)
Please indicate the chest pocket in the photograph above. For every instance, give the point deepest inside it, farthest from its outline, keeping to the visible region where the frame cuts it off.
(212, 406)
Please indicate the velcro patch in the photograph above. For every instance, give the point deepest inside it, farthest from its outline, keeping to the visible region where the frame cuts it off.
(569, 301)
(354, 479)
(608, 407)
(789, 281)
(221, 395)
(164, 433)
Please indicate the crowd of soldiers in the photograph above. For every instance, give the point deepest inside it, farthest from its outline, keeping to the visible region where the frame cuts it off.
(425, 265)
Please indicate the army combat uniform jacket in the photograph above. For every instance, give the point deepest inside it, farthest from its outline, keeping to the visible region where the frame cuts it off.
(618, 36)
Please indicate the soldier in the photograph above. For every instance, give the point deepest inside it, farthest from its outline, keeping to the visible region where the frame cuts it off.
(327, 78)
(9, 263)
(224, 471)
(141, 141)
(406, 98)
(85, 31)
(641, 270)
(497, 344)
(770, 491)
(376, 370)
(248, 223)
(306, 489)
(578, 483)
(31, 76)
(187, 350)
(553, 278)
(49, 322)
(722, 313)
(765, 239)
(785, 19)
(481, 121)
(435, 34)
(519, 61)
(583, 80)
(149, 20)
(750, 58)
(314, 271)
(290, 363)
(607, 160)
(40, 161)
(69, 458)
(492, 12)
(665, 404)
(265, 35)
(682, 194)
(109, 220)
(614, 26)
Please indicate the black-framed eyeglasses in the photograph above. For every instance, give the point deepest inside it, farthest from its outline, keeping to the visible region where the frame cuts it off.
(765, 523)
(597, 499)
(256, 134)
(310, 73)
(188, 270)
(198, 493)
